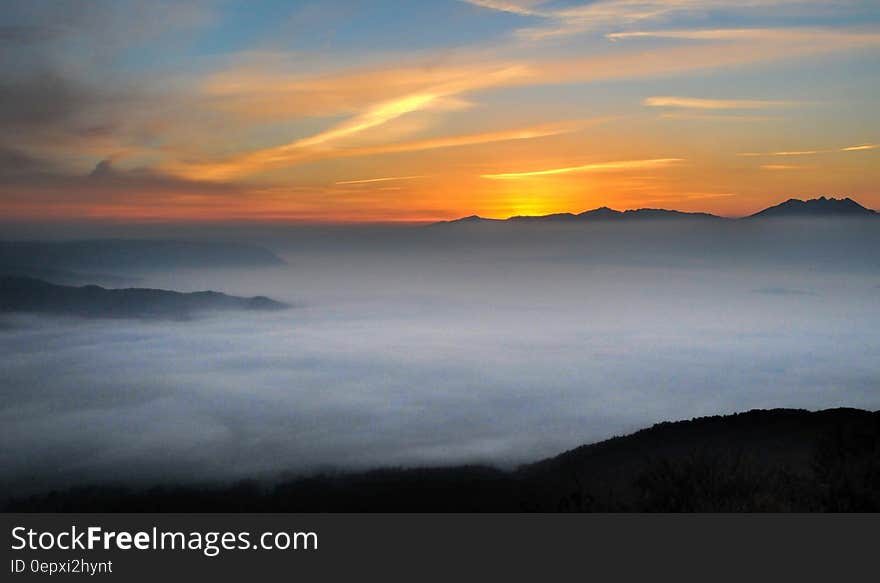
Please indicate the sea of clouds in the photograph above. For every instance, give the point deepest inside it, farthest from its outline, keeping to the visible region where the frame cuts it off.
(444, 345)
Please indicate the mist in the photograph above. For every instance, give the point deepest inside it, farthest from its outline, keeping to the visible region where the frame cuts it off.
(497, 344)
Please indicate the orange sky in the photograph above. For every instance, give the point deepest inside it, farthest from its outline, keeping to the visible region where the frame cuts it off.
(556, 107)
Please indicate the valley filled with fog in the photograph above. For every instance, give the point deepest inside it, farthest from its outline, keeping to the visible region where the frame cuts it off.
(497, 344)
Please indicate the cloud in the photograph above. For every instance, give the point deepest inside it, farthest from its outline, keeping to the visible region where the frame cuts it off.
(693, 116)
(860, 148)
(263, 91)
(412, 89)
(411, 349)
(811, 152)
(781, 167)
(732, 48)
(783, 153)
(385, 179)
(603, 14)
(840, 36)
(82, 85)
(520, 8)
(374, 116)
(274, 157)
(527, 133)
(568, 20)
(596, 167)
(699, 103)
(34, 187)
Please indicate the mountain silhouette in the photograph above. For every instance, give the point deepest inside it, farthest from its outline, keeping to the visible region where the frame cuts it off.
(779, 460)
(816, 207)
(599, 214)
(26, 294)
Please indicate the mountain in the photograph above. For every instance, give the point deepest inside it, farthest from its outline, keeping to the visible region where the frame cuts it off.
(26, 294)
(816, 207)
(595, 215)
(779, 460)
(468, 220)
(37, 258)
(649, 213)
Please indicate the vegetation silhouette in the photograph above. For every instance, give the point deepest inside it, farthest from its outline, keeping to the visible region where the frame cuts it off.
(780, 460)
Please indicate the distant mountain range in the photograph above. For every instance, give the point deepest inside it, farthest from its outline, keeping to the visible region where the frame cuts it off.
(792, 208)
(26, 294)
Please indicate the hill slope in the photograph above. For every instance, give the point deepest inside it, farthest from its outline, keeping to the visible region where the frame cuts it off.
(762, 460)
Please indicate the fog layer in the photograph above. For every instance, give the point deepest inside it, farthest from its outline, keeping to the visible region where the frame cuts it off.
(445, 345)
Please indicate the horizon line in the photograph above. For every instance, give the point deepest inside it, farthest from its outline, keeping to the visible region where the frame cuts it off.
(388, 221)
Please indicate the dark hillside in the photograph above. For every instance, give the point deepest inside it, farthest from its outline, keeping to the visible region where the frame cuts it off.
(779, 460)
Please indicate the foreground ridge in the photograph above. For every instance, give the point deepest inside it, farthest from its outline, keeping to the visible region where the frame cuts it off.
(779, 460)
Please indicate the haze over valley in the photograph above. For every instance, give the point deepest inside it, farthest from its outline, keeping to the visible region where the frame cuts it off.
(426, 346)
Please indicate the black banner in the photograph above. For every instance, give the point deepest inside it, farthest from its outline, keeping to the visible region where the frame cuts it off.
(231, 547)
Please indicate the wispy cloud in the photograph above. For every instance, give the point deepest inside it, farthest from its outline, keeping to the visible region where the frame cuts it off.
(596, 167)
(721, 50)
(691, 115)
(812, 152)
(712, 34)
(375, 98)
(528, 133)
(521, 8)
(373, 117)
(781, 167)
(384, 179)
(699, 103)
(592, 16)
(266, 88)
(284, 155)
(784, 153)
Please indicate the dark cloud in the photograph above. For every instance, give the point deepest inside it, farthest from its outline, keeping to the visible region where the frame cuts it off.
(27, 35)
(27, 179)
(61, 90)
(106, 176)
(14, 162)
(41, 100)
(102, 169)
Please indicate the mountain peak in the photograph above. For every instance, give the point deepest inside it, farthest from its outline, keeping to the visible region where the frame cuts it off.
(816, 207)
(468, 220)
(603, 212)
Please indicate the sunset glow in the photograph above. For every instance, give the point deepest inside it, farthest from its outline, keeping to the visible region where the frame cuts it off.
(284, 112)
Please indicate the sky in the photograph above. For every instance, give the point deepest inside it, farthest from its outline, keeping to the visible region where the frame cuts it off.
(382, 111)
